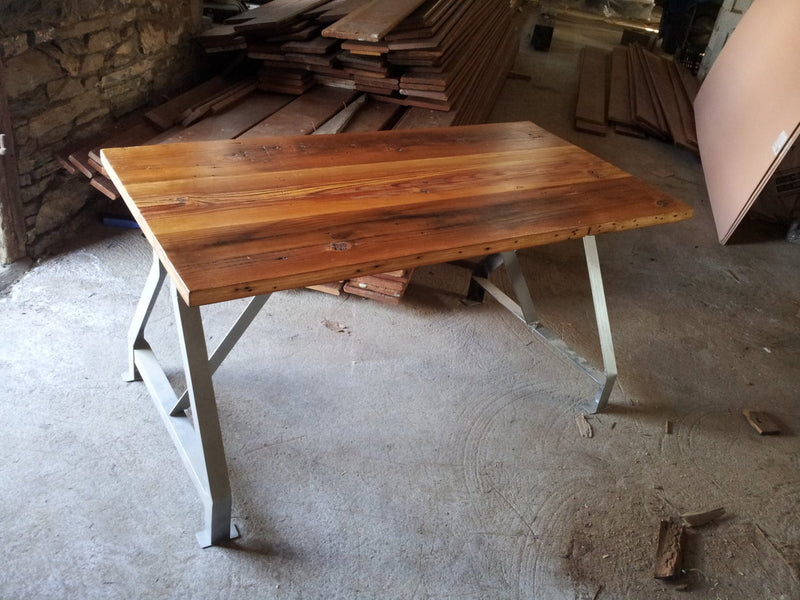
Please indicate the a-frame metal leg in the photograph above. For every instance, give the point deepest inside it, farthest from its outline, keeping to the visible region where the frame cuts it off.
(603, 324)
(136, 340)
(196, 435)
(524, 309)
(206, 460)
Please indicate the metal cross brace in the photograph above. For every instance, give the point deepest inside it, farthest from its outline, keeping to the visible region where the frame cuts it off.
(524, 309)
(196, 434)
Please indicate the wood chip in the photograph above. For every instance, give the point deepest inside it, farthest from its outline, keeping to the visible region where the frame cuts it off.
(763, 423)
(584, 427)
(698, 519)
(669, 552)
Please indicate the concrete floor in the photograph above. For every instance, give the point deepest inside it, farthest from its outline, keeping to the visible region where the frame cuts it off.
(431, 449)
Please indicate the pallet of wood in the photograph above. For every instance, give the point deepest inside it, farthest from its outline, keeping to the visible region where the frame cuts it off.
(636, 92)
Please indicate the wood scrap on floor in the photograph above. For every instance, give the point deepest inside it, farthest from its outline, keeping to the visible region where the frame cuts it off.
(584, 427)
(669, 550)
(762, 422)
(698, 519)
(646, 95)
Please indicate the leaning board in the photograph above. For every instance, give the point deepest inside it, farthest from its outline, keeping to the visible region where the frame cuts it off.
(748, 109)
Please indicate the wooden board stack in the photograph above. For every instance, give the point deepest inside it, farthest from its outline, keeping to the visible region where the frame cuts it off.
(447, 55)
(638, 93)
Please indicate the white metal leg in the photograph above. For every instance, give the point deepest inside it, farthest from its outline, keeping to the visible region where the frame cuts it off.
(524, 309)
(197, 435)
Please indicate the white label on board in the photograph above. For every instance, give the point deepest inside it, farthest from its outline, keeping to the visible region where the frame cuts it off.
(778, 144)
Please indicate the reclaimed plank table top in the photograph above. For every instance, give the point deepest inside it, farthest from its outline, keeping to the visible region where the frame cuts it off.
(237, 218)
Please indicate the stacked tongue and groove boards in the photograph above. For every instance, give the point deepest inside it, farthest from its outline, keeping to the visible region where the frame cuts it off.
(637, 93)
(325, 67)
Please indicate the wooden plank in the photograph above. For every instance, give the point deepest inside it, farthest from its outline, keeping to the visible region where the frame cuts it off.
(371, 294)
(304, 114)
(305, 210)
(592, 88)
(643, 108)
(589, 127)
(317, 45)
(619, 101)
(684, 105)
(339, 121)
(666, 98)
(274, 15)
(198, 111)
(168, 114)
(134, 135)
(233, 122)
(12, 219)
(372, 21)
(642, 56)
(104, 185)
(374, 116)
(339, 9)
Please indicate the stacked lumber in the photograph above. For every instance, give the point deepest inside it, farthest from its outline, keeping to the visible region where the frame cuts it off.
(638, 93)
(435, 54)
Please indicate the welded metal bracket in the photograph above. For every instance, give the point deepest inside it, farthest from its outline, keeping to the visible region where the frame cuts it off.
(196, 432)
(524, 309)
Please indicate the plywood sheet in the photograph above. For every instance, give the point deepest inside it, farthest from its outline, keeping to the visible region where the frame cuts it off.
(747, 109)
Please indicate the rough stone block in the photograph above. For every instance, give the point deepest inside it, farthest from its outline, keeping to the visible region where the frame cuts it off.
(64, 89)
(92, 63)
(127, 75)
(92, 115)
(126, 52)
(82, 28)
(72, 46)
(69, 62)
(42, 36)
(13, 45)
(29, 70)
(101, 41)
(152, 36)
(25, 107)
(58, 204)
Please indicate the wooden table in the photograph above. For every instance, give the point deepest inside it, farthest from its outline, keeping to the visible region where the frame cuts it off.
(245, 218)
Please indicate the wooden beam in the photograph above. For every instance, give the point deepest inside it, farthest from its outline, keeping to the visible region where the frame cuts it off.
(12, 221)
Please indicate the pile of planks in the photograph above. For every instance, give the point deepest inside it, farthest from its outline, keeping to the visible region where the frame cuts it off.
(638, 93)
(448, 55)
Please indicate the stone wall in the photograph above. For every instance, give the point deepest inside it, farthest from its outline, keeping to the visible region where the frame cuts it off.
(73, 68)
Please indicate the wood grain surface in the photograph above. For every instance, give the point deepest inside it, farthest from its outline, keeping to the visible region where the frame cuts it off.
(232, 219)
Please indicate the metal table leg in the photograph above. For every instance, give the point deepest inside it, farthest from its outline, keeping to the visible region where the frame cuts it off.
(524, 309)
(196, 435)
